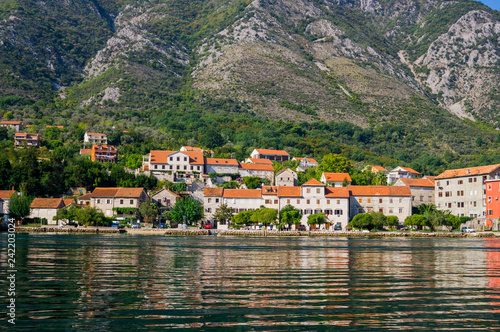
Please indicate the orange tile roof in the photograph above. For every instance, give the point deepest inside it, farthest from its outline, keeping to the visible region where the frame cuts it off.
(341, 192)
(285, 169)
(192, 148)
(28, 135)
(11, 122)
(337, 177)
(85, 197)
(159, 156)
(242, 193)
(257, 167)
(379, 191)
(47, 203)
(85, 151)
(217, 192)
(269, 190)
(129, 192)
(314, 183)
(104, 192)
(260, 161)
(409, 170)
(418, 182)
(60, 127)
(432, 178)
(379, 168)
(164, 189)
(273, 152)
(219, 161)
(311, 160)
(470, 171)
(195, 157)
(6, 194)
(96, 134)
(103, 148)
(284, 191)
(68, 201)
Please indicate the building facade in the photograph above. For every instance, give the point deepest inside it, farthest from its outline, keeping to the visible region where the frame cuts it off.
(305, 163)
(103, 153)
(95, 138)
(422, 190)
(46, 208)
(114, 201)
(259, 170)
(16, 125)
(402, 173)
(336, 179)
(286, 177)
(26, 140)
(165, 198)
(463, 191)
(221, 166)
(5, 196)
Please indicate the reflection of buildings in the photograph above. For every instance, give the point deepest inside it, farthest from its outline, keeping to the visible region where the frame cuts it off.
(493, 270)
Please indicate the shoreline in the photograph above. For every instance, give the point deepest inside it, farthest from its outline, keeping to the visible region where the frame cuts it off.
(248, 233)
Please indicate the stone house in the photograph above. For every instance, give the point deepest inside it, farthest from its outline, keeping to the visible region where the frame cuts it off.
(286, 177)
(16, 125)
(221, 166)
(463, 191)
(211, 201)
(182, 165)
(46, 208)
(402, 172)
(26, 139)
(335, 179)
(5, 196)
(259, 170)
(165, 198)
(422, 190)
(112, 200)
(273, 155)
(390, 200)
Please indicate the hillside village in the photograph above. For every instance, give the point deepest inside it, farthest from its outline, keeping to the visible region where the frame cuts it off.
(274, 180)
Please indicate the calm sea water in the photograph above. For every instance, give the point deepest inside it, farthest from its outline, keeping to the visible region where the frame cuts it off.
(122, 282)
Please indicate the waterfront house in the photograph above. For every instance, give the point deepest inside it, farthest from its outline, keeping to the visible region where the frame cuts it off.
(165, 198)
(95, 138)
(104, 153)
(286, 177)
(422, 190)
(221, 166)
(273, 155)
(402, 172)
(46, 208)
(259, 170)
(16, 125)
(390, 200)
(180, 165)
(212, 198)
(5, 196)
(26, 139)
(118, 201)
(336, 179)
(492, 205)
(463, 191)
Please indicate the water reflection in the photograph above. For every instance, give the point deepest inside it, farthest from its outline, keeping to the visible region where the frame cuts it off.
(118, 282)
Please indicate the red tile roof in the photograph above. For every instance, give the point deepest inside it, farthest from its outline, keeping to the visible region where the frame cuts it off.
(85, 197)
(379, 191)
(103, 148)
(28, 135)
(269, 190)
(409, 170)
(96, 134)
(242, 193)
(164, 189)
(257, 167)
(211, 192)
(311, 160)
(260, 161)
(104, 192)
(379, 168)
(272, 152)
(313, 183)
(418, 182)
(192, 148)
(470, 171)
(11, 122)
(195, 157)
(68, 201)
(340, 192)
(47, 203)
(289, 191)
(219, 161)
(337, 177)
(85, 151)
(6, 194)
(129, 192)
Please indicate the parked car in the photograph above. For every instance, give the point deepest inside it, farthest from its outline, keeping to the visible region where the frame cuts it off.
(337, 227)
(302, 228)
(136, 225)
(468, 229)
(162, 225)
(208, 226)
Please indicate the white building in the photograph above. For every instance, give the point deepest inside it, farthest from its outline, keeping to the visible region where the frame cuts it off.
(402, 172)
(46, 208)
(422, 190)
(95, 138)
(111, 201)
(463, 191)
(273, 155)
(335, 179)
(5, 196)
(181, 164)
(305, 163)
(390, 200)
(221, 166)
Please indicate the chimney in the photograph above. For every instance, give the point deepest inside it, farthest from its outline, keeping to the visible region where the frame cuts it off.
(468, 171)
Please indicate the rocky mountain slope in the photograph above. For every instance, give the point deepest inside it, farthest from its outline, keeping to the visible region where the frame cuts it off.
(363, 61)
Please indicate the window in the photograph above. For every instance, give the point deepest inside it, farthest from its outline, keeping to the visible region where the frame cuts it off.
(131, 201)
(98, 201)
(447, 183)
(400, 200)
(177, 167)
(400, 210)
(490, 212)
(470, 180)
(185, 167)
(380, 200)
(475, 179)
(185, 159)
(209, 200)
(361, 200)
(328, 201)
(209, 210)
(308, 201)
(121, 201)
(275, 201)
(381, 210)
(162, 166)
(489, 199)
(338, 201)
(438, 183)
(178, 158)
(156, 166)
(268, 201)
(338, 212)
(317, 201)
(369, 200)
(318, 190)
(390, 200)
(298, 201)
(191, 167)
(288, 201)
(171, 158)
(391, 210)
(198, 168)
(460, 181)
(308, 190)
(216, 200)
(421, 198)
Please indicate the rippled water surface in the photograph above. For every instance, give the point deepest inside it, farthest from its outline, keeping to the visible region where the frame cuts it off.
(136, 282)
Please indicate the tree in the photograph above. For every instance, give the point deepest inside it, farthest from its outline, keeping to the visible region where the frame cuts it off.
(242, 218)
(223, 213)
(264, 215)
(334, 163)
(317, 219)
(4, 134)
(90, 216)
(5, 173)
(212, 139)
(289, 216)
(134, 161)
(252, 182)
(378, 219)
(380, 179)
(70, 214)
(186, 210)
(392, 221)
(417, 220)
(149, 210)
(362, 220)
(19, 206)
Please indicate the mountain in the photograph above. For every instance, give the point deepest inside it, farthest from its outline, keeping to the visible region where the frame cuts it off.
(426, 70)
